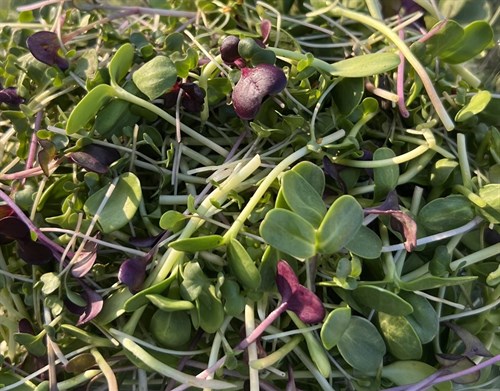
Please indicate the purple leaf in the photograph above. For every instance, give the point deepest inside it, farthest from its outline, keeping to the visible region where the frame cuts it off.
(46, 154)
(5, 210)
(333, 170)
(132, 272)
(12, 228)
(9, 96)
(34, 253)
(300, 300)
(94, 305)
(95, 158)
(229, 49)
(286, 280)
(149, 241)
(85, 261)
(44, 45)
(265, 30)
(473, 345)
(254, 85)
(306, 305)
(25, 327)
(193, 97)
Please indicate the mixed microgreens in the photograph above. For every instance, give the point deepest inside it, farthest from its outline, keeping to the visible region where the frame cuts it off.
(250, 195)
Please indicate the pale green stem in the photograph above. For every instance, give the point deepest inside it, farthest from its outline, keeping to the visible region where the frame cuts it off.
(277, 355)
(205, 75)
(464, 161)
(107, 371)
(127, 96)
(374, 9)
(252, 348)
(403, 48)
(270, 178)
(466, 75)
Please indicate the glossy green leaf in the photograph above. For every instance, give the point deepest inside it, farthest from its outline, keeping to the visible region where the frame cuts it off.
(347, 94)
(477, 104)
(381, 300)
(430, 282)
(361, 346)
(365, 65)
(445, 213)
(444, 42)
(288, 232)
(439, 265)
(195, 281)
(385, 178)
(172, 220)
(88, 107)
(210, 310)
(477, 36)
(201, 243)
(171, 329)
(169, 305)
(155, 77)
(490, 193)
(424, 318)
(400, 336)
(234, 302)
(442, 170)
(302, 198)
(334, 326)
(312, 174)
(121, 62)
(242, 265)
(341, 223)
(409, 372)
(34, 344)
(140, 299)
(120, 207)
(365, 244)
(113, 117)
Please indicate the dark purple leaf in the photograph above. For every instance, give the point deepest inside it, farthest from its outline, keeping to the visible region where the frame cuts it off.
(193, 97)
(170, 98)
(96, 158)
(265, 30)
(132, 272)
(45, 46)
(94, 305)
(150, 241)
(286, 280)
(300, 300)
(254, 85)
(34, 253)
(12, 228)
(491, 236)
(25, 327)
(5, 210)
(229, 49)
(306, 305)
(333, 170)
(10, 97)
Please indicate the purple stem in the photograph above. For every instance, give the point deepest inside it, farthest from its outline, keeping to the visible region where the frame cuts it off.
(440, 377)
(400, 81)
(33, 143)
(41, 236)
(256, 333)
(30, 172)
(433, 31)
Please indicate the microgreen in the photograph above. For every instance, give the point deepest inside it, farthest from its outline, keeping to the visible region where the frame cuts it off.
(249, 195)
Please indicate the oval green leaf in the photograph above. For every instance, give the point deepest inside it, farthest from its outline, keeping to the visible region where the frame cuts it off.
(424, 318)
(312, 174)
(335, 325)
(362, 346)
(443, 214)
(302, 198)
(401, 338)
(155, 77)
(477, 104)
(385, 178)
(242, 265)
(288, 232)
(88, 107)
(430, 282)
(121, 206)
(347, 94)
(365, 65)
(341, 223)
(202, 243)
(121, 63)
(169, 305)
(409, 372)
(365, 244)
(381, 300)
(210, 310)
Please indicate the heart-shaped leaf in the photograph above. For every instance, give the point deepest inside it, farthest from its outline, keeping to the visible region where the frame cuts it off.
(400, 336)
(335, 325)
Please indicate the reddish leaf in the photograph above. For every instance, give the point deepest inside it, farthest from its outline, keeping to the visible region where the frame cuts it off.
(34, 253)
(265, 30)
(94, 305)
(44, 45)
(306, 305)
(229, 49)
(12, 228)
(286, 280)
